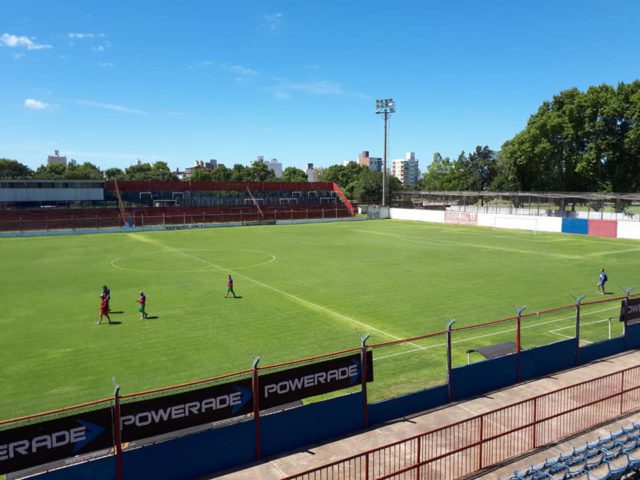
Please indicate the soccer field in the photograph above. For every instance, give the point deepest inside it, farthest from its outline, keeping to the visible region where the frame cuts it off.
(305, 290)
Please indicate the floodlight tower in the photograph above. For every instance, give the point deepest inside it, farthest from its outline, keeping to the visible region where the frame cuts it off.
(386, 107)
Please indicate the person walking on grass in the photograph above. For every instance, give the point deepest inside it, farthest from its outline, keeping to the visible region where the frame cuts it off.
(602, 280)
(230, 287)
(142, 303)
(104, 309)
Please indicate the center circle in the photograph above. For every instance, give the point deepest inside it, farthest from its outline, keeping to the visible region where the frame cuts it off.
(194, 260)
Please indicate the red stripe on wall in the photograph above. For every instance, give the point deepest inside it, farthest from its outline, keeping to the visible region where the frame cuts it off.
(603, 228)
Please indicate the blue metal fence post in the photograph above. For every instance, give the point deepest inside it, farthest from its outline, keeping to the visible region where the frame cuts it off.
(518, 341)
(255, 387)
(364, 367)
(449, 362)
(578, 300)
(117, 429)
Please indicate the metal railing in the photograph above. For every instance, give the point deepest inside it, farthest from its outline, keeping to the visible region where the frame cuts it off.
(471, 445)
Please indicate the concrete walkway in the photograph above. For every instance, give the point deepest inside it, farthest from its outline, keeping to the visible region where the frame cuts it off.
(318, 455)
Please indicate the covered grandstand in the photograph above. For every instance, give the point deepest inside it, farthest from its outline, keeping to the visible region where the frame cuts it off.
(64, 204)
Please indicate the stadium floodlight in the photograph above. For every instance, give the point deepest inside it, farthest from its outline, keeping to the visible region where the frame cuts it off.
(385, 106)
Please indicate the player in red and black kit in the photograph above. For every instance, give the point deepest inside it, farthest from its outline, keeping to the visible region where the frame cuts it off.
(104, 309)
(142, 303)
(230, 287)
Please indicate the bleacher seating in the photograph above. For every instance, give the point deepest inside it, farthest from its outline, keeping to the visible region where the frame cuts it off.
(608, 458)
(77, 218)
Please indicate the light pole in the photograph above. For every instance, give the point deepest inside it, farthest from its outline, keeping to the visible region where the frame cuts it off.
(385, 106)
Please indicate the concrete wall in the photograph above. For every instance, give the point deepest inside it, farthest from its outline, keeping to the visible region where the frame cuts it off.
(629, 230)
(580, 226)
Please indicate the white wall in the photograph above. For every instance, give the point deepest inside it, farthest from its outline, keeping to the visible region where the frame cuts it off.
(521, 222)
(629, 230)
(436, 216)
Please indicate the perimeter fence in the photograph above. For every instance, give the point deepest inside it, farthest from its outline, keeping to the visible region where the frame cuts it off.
(444, 362)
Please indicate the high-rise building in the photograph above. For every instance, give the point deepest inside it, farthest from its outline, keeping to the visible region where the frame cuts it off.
(311, 176)
(406, 169)
(273, 165)
(374, 163)
(56, 159)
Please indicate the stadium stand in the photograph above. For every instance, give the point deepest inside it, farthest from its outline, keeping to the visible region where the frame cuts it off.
(69, 205)
(608, 458)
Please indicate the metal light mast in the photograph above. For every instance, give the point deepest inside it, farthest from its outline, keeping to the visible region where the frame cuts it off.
(386, 107)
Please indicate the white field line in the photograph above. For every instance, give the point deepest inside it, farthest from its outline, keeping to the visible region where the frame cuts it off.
(610, 252)
(290, 296)
(493, 334)
(474, 245)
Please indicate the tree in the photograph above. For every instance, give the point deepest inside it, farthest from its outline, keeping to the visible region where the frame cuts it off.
(200, 175)
(293, 174)
(114, 174)
(476, 171)
(50, 172)
(345, 176)
(578, 141)
(159, 171)
(259, 172)
(86, 171)
(239, 173)
(440, 175)
(14, 170)
(221, 174)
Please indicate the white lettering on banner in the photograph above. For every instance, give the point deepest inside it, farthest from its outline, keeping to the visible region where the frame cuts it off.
(311, 380)
(461, 218)
(143, 419)
(47, 442)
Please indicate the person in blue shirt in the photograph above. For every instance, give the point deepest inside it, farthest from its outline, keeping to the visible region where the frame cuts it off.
(602, 280)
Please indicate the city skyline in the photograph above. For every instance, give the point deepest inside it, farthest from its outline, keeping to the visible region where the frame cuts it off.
(297, 81)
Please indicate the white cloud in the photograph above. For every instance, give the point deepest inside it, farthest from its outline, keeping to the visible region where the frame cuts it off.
(86, 35)
(99, 48)
(272, 21)
(110, 106)
(20, 41)
(243, 71)
(33, 104)
(105, 64)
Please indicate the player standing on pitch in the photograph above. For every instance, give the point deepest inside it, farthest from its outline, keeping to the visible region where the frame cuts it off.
(106, 291)
(104, 309)
(142, 303)
(602, 280)
(230, 287)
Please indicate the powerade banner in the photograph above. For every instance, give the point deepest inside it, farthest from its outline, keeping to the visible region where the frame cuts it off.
(32, 445)
(630, 309)
(287, 386)
(157, 416)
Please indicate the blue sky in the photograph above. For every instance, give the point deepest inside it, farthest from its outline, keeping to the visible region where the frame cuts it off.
(113, 81)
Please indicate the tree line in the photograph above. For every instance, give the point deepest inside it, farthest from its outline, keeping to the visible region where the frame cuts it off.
(158, 171)
(577, 142)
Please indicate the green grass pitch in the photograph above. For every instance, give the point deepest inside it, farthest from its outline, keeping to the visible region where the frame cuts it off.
(306, 290)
